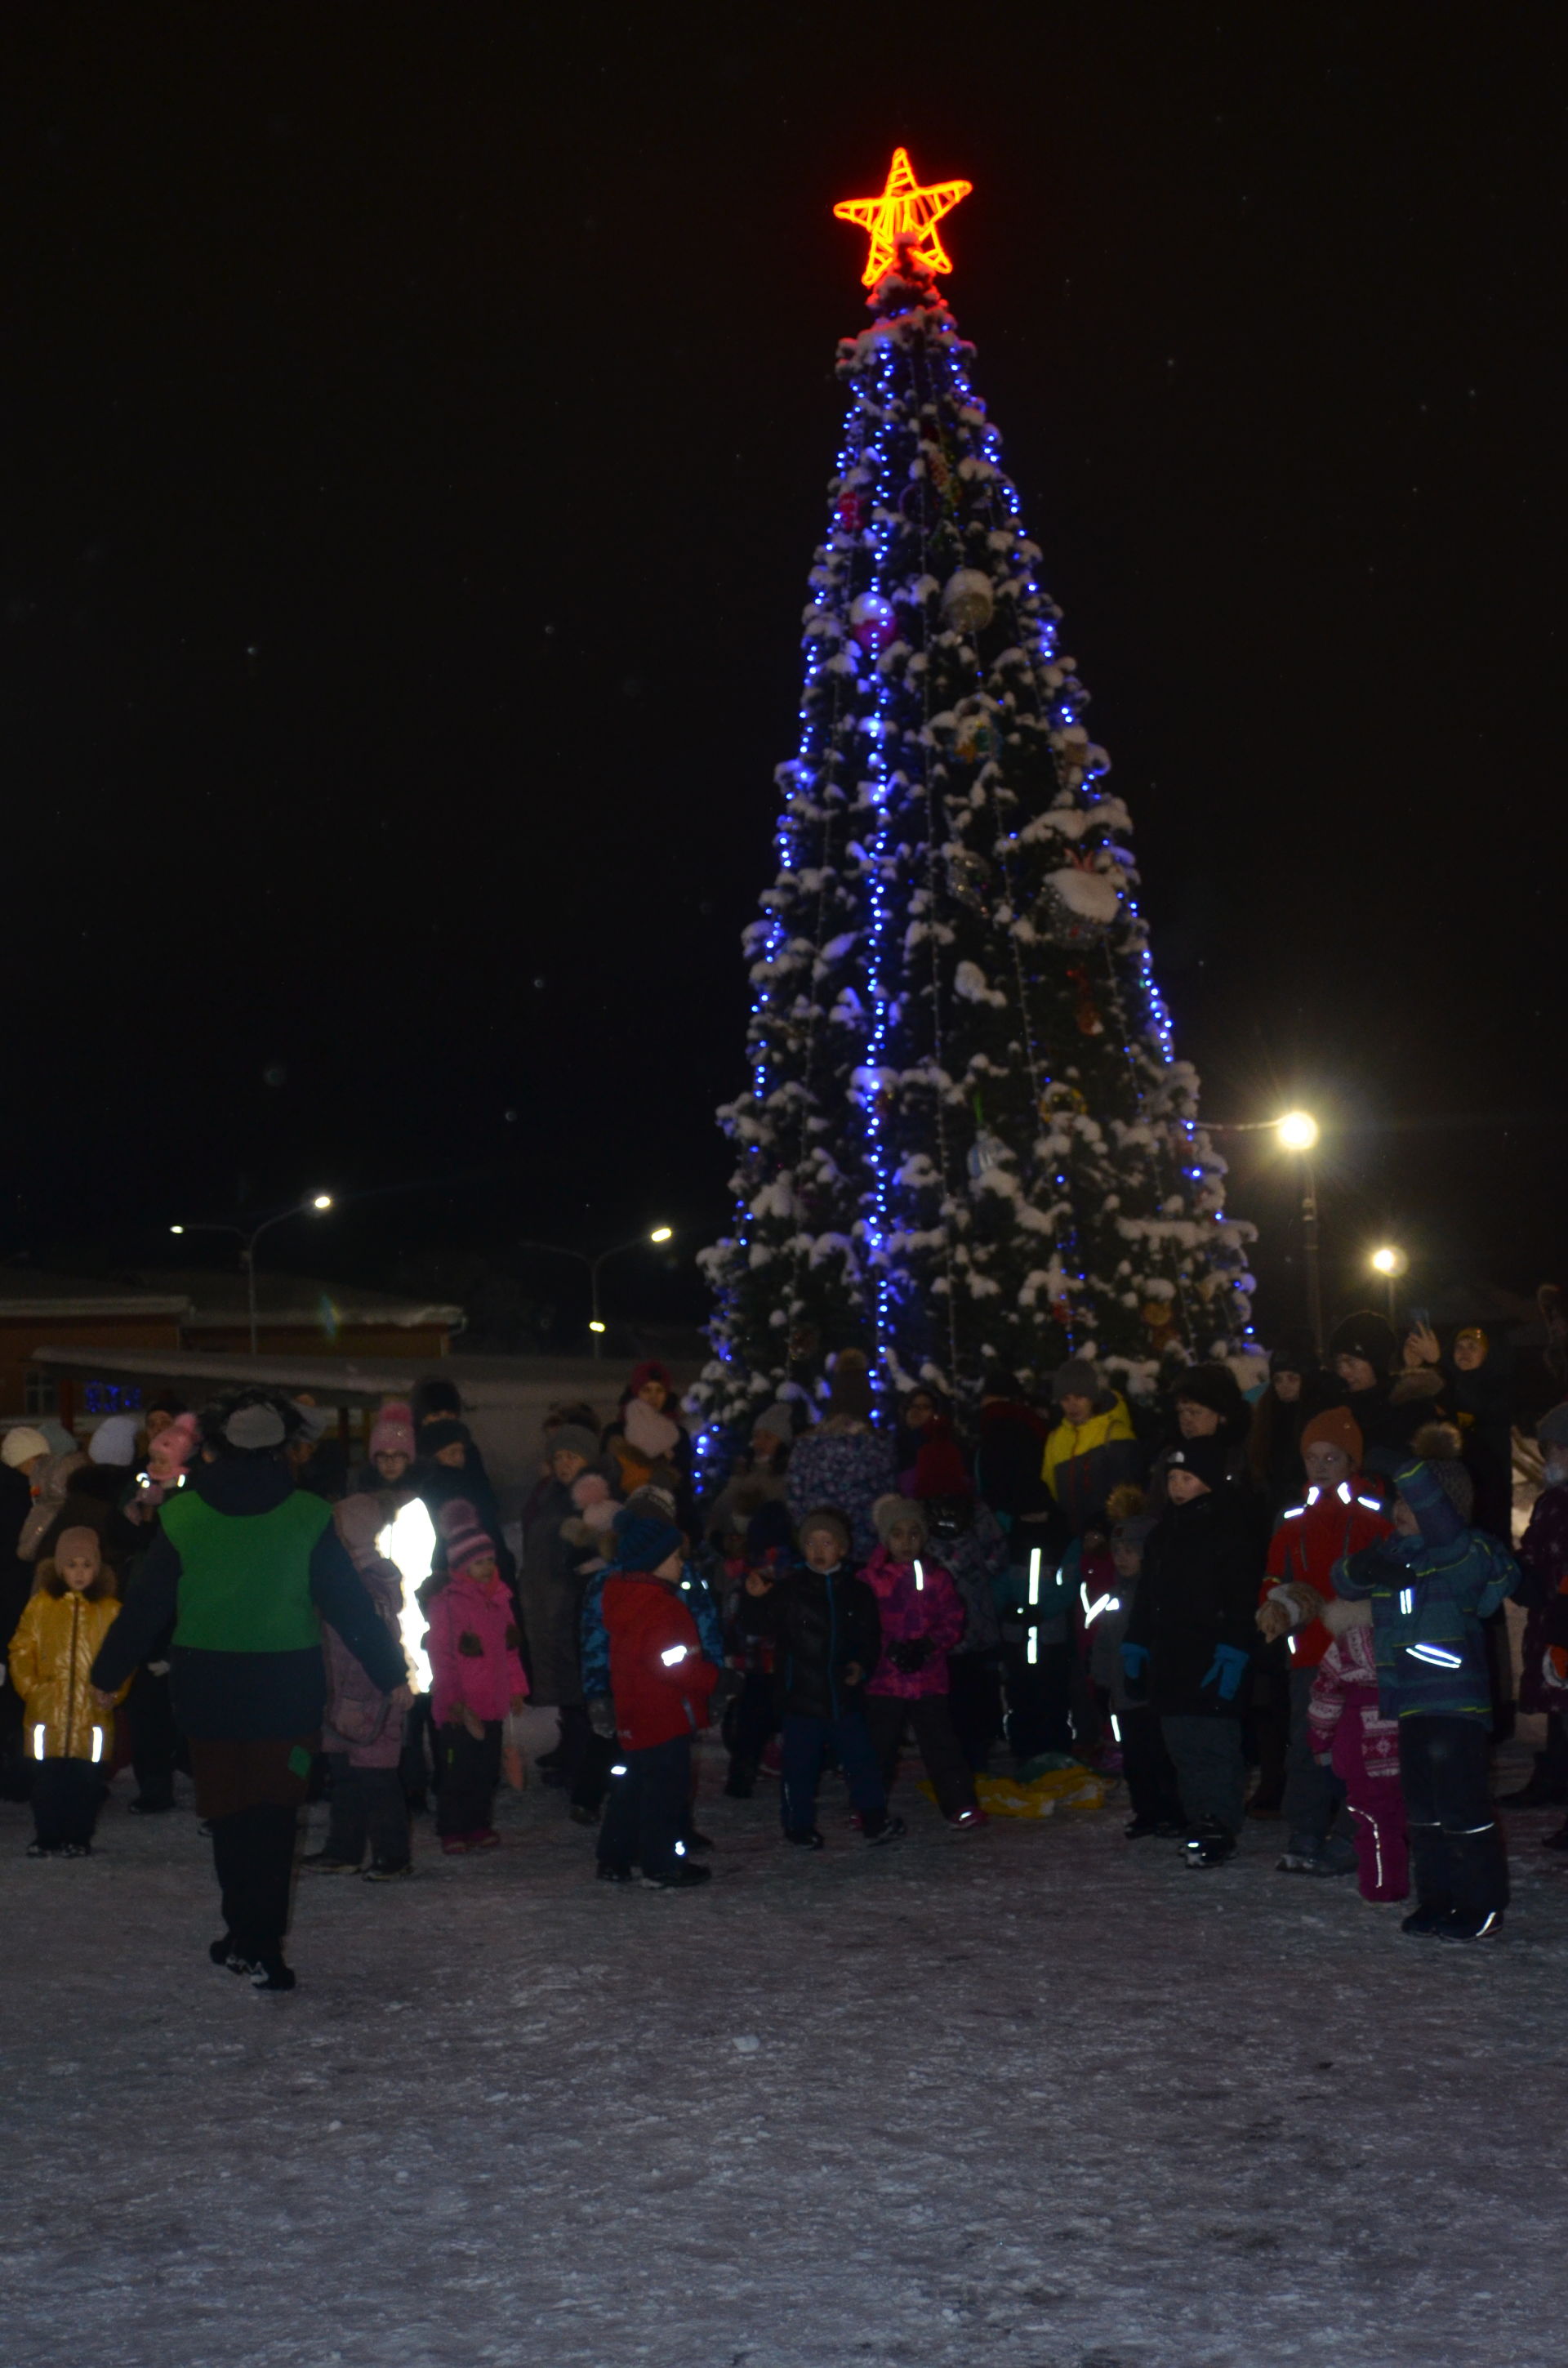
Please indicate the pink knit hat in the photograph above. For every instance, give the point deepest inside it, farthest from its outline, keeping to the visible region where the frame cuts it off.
(393, 1431)
(465, 1541)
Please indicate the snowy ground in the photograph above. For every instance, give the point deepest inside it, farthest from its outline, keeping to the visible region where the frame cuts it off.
(1029, 2096)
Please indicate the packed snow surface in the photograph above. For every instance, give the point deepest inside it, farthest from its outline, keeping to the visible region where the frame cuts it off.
(1031, 2096)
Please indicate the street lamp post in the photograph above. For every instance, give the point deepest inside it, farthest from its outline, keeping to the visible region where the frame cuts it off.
(1298, 1132)
(558, 1250)
(318, 1202)
(1391, 1263)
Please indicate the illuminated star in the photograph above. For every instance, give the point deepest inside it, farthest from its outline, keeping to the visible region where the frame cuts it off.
(904, 215)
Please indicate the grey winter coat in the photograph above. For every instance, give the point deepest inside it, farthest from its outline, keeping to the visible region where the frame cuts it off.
(552, 1587)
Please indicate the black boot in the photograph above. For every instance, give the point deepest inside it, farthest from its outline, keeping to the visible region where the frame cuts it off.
(1547, 1787)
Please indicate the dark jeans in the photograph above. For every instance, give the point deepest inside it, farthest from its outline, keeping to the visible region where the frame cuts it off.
(420, 1753)
(66, 1793)
(253, 1857)
(366, 1804)
(1039, 1700)
(584, 1757)
(975, 1703)
(805, 1743)
(648, 1807)
(1152, 1786)
(468, 1770)
(887, 1715)
(155, 1738)
(1206, 1751)
(1456, 1847)
(751, 1724)
(1313, 1795)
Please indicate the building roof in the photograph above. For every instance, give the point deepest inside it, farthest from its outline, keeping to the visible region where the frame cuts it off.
(353, 1380)
(25, 1292)
(220, 1301)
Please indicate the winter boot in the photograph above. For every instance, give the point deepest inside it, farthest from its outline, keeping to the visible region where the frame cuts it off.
(741, 1781)
(1470, 1924)
(378, 1873)
(812, 1840)
(1209, 1843)
(271, 1973)
(1557, 1841)
(888, 1830)
(1427, 1918)
(608, 1874)
(682, 1876)
(1547, 1787)
(323, 1862)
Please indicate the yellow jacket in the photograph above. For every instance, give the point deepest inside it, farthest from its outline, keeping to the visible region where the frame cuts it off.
(1082, 1445)
(54, 1649)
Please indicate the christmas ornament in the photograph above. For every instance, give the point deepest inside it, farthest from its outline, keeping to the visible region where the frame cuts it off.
(974, 740)
(1158, 1317)
(969, 878)
(986, 1152)
(1058, 1099)
(1077, 905)
(1087, 1015)
(804, 1341)
(904, 218)
(937, 468)
(851, 510)
(872, 623)
(967, 600)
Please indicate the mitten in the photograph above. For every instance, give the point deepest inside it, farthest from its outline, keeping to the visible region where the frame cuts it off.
(1134, 1663)
(726, 1690)
(910, 1654)
(601, 1717)
(1227, 1669)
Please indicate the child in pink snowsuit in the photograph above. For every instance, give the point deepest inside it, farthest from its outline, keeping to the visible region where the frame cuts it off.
(922, 1616)
(477, 1679)
(1349, 1734)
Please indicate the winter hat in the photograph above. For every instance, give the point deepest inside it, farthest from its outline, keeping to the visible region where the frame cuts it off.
(1078, 1379)
(1552, 1431)
(851, 1391)
(313, 1418)
(445, 1430)
(251, 1422)
(650, 1498)
(651, 1369)
(1472, 1332)
(1365, 1333)
(1336, 1427)
(574, 1438)
(1214, 1386)
(642, 1541)
(888, 1512)
(21, 1445)
(464, 1540)
(392, 1432)
(1133, 1532)
(1206, 1458)
(1000, 1383)
(114, 1441)
(776, 1420)
(435, 1401)
(939, 1467)
(1440, 1448)
(825, 1517)
(1295, 1354)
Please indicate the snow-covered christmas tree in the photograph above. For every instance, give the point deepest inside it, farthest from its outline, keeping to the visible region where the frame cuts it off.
(965, 1136)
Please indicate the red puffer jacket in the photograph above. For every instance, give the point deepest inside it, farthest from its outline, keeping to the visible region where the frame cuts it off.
(658, 1674)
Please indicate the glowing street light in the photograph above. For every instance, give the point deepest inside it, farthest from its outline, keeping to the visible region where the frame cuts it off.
(322, 1201)
(317, 1203)
(1297, 1131)
(1390, 1262)
(663, 1234)
(596, 1324)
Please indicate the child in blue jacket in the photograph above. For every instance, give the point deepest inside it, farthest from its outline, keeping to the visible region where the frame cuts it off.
(1431, 1585)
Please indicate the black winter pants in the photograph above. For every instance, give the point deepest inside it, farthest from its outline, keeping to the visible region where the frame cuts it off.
(155, 1738)
(1456, 1845)
(805, 1747)
(887, 1715)
(584, 1757)
(649, 1807)
(1206, 1752)
(468, 1770)
(66, 1793)
(368, 1804)
(1152, 1786)
(253, 1857)
(974, 1704)
(751, 1724)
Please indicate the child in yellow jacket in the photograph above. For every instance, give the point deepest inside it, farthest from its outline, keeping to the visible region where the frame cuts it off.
(68, 1731)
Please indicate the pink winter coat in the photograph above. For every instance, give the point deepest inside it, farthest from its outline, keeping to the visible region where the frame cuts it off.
(1342, 1714)
(359, 1719)
(934, 1610)
(474, 1661)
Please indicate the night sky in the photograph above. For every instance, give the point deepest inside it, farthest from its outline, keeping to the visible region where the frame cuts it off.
(418, 426)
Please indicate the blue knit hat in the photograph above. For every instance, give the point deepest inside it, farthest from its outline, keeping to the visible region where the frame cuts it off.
(642, 1541)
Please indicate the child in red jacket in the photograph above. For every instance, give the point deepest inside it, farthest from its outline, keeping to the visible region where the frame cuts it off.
(476, 1678)
(660, 1682)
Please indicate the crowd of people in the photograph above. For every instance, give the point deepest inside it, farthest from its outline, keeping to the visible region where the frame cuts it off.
(1259, 1593)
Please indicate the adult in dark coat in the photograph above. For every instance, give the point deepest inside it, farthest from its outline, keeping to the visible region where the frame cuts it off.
(247, 1566)
(552, 1587)
(1388, 1409)
(1478, 1393)
(24, 1452)
(1191, 1635)
(450, 1468)
(1285, 1405)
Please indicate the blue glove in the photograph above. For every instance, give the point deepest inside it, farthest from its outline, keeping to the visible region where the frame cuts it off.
(1229, 1666)
(1134, 1661)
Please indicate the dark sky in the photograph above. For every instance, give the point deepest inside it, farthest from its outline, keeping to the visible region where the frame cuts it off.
(417, 426)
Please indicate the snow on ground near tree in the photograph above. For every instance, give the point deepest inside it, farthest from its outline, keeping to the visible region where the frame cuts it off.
(1028, 2096)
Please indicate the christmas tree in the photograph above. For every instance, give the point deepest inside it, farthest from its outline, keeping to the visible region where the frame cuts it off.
(966, 1138)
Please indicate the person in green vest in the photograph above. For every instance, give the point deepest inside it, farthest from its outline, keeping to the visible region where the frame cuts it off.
(247, 1565)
